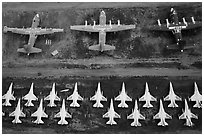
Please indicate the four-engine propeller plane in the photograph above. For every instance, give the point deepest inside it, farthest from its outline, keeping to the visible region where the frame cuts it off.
(33, 33)
(176, 27)
(102, 28)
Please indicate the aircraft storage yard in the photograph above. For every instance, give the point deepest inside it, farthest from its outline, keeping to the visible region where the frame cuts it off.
(131, 84)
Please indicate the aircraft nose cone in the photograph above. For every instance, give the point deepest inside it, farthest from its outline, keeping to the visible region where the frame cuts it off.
(102, 12)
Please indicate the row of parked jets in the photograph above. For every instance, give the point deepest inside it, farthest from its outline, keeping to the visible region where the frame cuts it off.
(173, 26)
(98, 97)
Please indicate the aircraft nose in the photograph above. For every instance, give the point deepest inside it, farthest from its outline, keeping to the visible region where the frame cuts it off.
(102, 12)
(37, 15)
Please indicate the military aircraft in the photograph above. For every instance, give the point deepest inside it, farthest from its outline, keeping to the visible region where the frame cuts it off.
(187, 114)
(102, 28)
(52, 97)
(98, 97)
(33, 33)
(197, 97)
(30, 96)
(162, 115)
(74, 97)
(136, 115)
(147, 97)
(172, 97)
(111, 114)
(39, 114)
(63, 114)
(8, 96)
(175, 27)
(123, 97)
(18, 112)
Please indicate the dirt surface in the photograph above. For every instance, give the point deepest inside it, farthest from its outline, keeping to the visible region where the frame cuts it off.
(139, 57)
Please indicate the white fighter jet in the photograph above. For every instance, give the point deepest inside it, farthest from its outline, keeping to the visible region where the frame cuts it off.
(29, 97)
(187, 114)
(123, 97)
(39, 114)
(136, 116)
(74, 97)
(63, 114)
(8, 96)
(17, 113)
(111, 114)
(162, 115)
(98, 97)
(172, 97)
(52, 97)
(197, 97)
(147, 97)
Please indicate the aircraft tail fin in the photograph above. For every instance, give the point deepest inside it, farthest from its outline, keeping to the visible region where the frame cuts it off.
(111, 122)
(32, 50)
(101, 48)
(15, 121)
(98, 105)
(62, 122)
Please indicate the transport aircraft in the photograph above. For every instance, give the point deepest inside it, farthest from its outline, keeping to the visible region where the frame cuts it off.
(162, 115)
(147, 97)
(33, 33)
(102, 28)
(197, 97)
(111, 114)
(52, 97)
(123, 97)
(172, 97)
(39, 114)
(75, 97)
(98, 97)
(187, 114)
(63, 114)
(136, 115)
(176, 27)
(8, 96)
(30, 97)
(18, 112)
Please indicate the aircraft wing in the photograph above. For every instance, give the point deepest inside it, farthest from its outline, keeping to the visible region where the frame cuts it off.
(87, 28)
(152, 98)
(104, 98)
(118, 98)
(13, 113)
(114, 28)
(128, 98)
(177, 98)
(49, 31)
(141, 116)
(57, 98)
(22, 114)
(168, 116)
(130, 116)
(163, 27)
(183, 116)
(58, 115)
(142, 98)
(93, 98)
(80, 98)
(116, 115)
(70, 97)
(167, 98)
(157, 116)
(68, 115)
(44, 114)
(194, 116)
(106, 115)
(191, 25)
(15, 30)
(47, 98)
(35, 114)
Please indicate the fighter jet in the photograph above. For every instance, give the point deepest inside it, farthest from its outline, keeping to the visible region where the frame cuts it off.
(187, 114)
(52, 97)
(17, 113)
(98, 97)
(197, 97)
(123, 97)
(162, 115)
(39, 114)
(30, 96)
(172, 97)
(136, 116)
(102, 28)
(33, 33)
(175, 27)
(74, 97)
(147, 97)
(111, 114)
(63, 114)
(8, 96)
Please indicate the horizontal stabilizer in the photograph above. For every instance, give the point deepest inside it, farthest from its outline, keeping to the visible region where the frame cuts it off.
(101, 48)
(32, 50)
